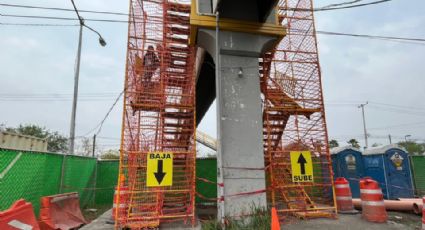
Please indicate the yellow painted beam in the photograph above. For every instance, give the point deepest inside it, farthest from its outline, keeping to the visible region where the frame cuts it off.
(209, 22)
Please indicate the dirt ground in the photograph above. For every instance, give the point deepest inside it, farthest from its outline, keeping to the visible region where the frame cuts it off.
(91, 213)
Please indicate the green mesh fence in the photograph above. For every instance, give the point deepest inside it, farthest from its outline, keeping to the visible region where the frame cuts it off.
(418, 168)
(28, 175)
(79, 176)
(107, 177)
(32, 175)
(206, 168)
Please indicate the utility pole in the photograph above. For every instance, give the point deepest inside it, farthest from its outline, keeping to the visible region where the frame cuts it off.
(74, 100)
(389, 137)
(94, 145)
(364, 124)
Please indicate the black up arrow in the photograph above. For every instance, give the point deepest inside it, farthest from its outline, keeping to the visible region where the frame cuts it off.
(302, 162)
(159, 175)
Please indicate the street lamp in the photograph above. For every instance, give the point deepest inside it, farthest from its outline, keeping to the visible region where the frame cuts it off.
(405, 137)
(102, 42)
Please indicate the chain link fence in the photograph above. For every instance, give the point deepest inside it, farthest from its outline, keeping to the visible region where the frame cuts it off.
(418, 168)
(206, 170)
(32, 175)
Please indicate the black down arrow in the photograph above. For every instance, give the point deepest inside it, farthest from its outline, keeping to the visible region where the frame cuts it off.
(159, 175)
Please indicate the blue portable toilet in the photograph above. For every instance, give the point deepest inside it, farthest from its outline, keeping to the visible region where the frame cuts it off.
(390, 166)
(347, 162)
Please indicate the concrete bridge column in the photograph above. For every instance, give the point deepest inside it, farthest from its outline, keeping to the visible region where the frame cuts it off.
(239, 118)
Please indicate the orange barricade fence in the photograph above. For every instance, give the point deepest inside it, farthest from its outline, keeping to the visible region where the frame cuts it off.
(19, 216)
(61, 211)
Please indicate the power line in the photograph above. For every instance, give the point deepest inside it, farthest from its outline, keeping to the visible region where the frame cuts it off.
(341, 4)
(352, 6)
(372, 36)
(63, 9)
(417, 41)
(38, 24)
(324, 8)
(399, 126)
(396, 110)
(399, 106)
(61, 18)
(126, 21)
(78, 14)
(100, 125)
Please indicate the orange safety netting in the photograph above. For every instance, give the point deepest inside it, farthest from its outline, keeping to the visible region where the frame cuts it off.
(159, 113)
(294, 116)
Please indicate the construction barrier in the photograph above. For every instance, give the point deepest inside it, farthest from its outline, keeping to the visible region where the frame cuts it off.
(121, 198)
(373, 206)
(423, 213)
(61, 211)
(122, 207)
(275, 220)
(344, 199)
(19, 216)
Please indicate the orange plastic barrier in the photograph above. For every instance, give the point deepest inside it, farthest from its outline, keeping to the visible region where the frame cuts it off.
(19, 216)
(344, 199)
(61, 212)
(373, 206)
(423, 213)
(122, 197)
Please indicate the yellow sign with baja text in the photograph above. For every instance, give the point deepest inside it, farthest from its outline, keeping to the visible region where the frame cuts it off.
(302, 166)
(159, 172)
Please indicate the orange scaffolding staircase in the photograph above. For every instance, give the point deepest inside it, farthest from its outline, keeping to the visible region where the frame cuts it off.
(293, 116)
(159, 113)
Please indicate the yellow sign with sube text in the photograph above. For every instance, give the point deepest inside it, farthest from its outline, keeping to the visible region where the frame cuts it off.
(301, 166)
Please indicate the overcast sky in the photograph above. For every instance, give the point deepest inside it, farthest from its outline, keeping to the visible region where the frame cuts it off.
(37, 70)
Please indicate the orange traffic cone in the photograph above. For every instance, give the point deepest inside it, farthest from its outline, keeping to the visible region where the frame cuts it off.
(275, 220)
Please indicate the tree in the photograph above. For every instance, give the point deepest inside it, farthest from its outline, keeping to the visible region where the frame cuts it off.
(333, 144)
(412, 147)
(55, 141)
(354, 143)
(110, 154)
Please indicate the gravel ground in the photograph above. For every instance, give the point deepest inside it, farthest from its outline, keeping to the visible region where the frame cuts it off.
(396, 221)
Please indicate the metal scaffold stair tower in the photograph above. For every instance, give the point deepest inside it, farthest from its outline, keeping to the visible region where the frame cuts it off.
(159, 113)
(159, 110)
(294, 118)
